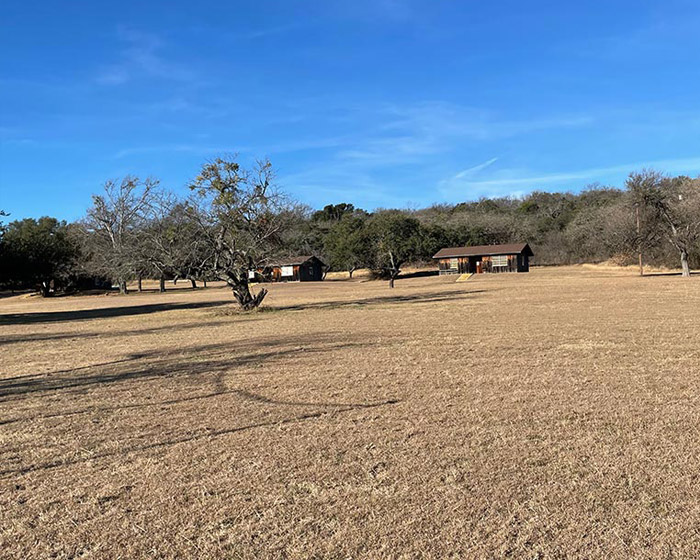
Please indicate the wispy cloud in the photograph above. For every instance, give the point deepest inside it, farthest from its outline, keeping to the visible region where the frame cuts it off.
(475, 169)
(455, 121)
(411, 134)
(194, 148)
(395, 149)
(141, 56)
(516, 181)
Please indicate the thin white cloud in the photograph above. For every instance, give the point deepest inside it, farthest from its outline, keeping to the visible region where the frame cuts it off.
(413, 134)
(142, 56)
(511, 181)
(475, 169)
(174, 148)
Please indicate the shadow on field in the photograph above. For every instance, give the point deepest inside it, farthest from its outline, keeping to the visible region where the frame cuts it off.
(657, 274)
(181, 362)
(102, 312)
(49, 336)
(189, 369)
(419, 274)
(432, 297)
(206, 434)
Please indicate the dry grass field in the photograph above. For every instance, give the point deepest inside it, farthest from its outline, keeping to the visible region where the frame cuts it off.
(544, 415)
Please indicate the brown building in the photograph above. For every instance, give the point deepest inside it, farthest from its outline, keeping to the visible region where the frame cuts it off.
(512, 257)
(305, 268)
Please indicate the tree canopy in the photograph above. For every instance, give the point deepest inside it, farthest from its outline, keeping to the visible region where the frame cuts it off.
(236, 221)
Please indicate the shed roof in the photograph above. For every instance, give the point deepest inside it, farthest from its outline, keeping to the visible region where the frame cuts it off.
(291, 261)
(484, 250)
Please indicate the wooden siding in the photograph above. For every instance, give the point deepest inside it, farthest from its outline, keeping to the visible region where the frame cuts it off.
(483, 264)
(310, 271)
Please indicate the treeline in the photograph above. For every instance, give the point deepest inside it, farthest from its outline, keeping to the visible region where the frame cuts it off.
(236, 220)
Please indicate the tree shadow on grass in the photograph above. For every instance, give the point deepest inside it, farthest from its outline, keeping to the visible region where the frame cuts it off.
(102, 312)
(206, 364)
(432, 297)
(329, 409)
(668, 274)
(52, 337)
(189, 361)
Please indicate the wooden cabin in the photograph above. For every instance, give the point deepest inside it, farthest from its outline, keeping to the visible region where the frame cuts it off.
(305, 268)
(478, 259)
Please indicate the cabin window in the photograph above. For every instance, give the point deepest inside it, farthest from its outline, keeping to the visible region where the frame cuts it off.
(454, 264)
(287, 271)
(499, 261)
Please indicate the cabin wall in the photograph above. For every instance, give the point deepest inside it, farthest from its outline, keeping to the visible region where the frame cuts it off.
(487, 264)
(312, 271)
(470, 265)
(523, 264)
(459, 265)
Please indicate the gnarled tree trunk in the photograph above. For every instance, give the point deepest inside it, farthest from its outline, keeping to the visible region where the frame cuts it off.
(246, 299)
(162, 284)
(194, 283)
(241, 290)
(684, 263)
(122, 287)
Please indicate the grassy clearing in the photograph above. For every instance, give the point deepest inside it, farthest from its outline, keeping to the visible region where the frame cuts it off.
(542, 415)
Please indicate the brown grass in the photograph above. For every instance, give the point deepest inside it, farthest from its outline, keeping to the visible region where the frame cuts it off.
(548, 415)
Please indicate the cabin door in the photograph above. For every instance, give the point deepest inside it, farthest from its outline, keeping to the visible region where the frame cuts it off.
(478, 267)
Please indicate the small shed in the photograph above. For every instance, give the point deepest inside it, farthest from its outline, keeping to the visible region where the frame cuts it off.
(304, 268)
(478, 259)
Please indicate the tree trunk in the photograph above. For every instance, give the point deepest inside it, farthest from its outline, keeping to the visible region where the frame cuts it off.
(350, 271)
(394, 274)
(139, 286)
(204, 283)
(244, 297)
(122, 287)
(46, 288)
(194, 283)
(684, 263)
(162, 284)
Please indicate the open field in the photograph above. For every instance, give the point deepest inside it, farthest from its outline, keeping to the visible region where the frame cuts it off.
(542, 415)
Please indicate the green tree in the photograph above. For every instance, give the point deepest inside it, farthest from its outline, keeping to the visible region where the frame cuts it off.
(395, 239)
(347, 244)
(334, 212)
(38, 254)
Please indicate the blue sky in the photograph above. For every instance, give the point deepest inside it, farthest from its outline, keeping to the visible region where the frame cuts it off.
(383, 103)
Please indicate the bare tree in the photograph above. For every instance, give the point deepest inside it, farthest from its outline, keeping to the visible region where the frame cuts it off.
(243, 216)
(172, 246)
(673, 204)
(114, 227)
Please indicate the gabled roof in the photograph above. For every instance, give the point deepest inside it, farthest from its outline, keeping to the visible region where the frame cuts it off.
(484, 250)
(292, 261)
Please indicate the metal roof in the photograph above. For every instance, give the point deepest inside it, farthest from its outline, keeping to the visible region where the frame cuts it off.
(484, 250)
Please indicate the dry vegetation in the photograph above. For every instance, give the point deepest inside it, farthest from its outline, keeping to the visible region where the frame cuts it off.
(540, 416)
